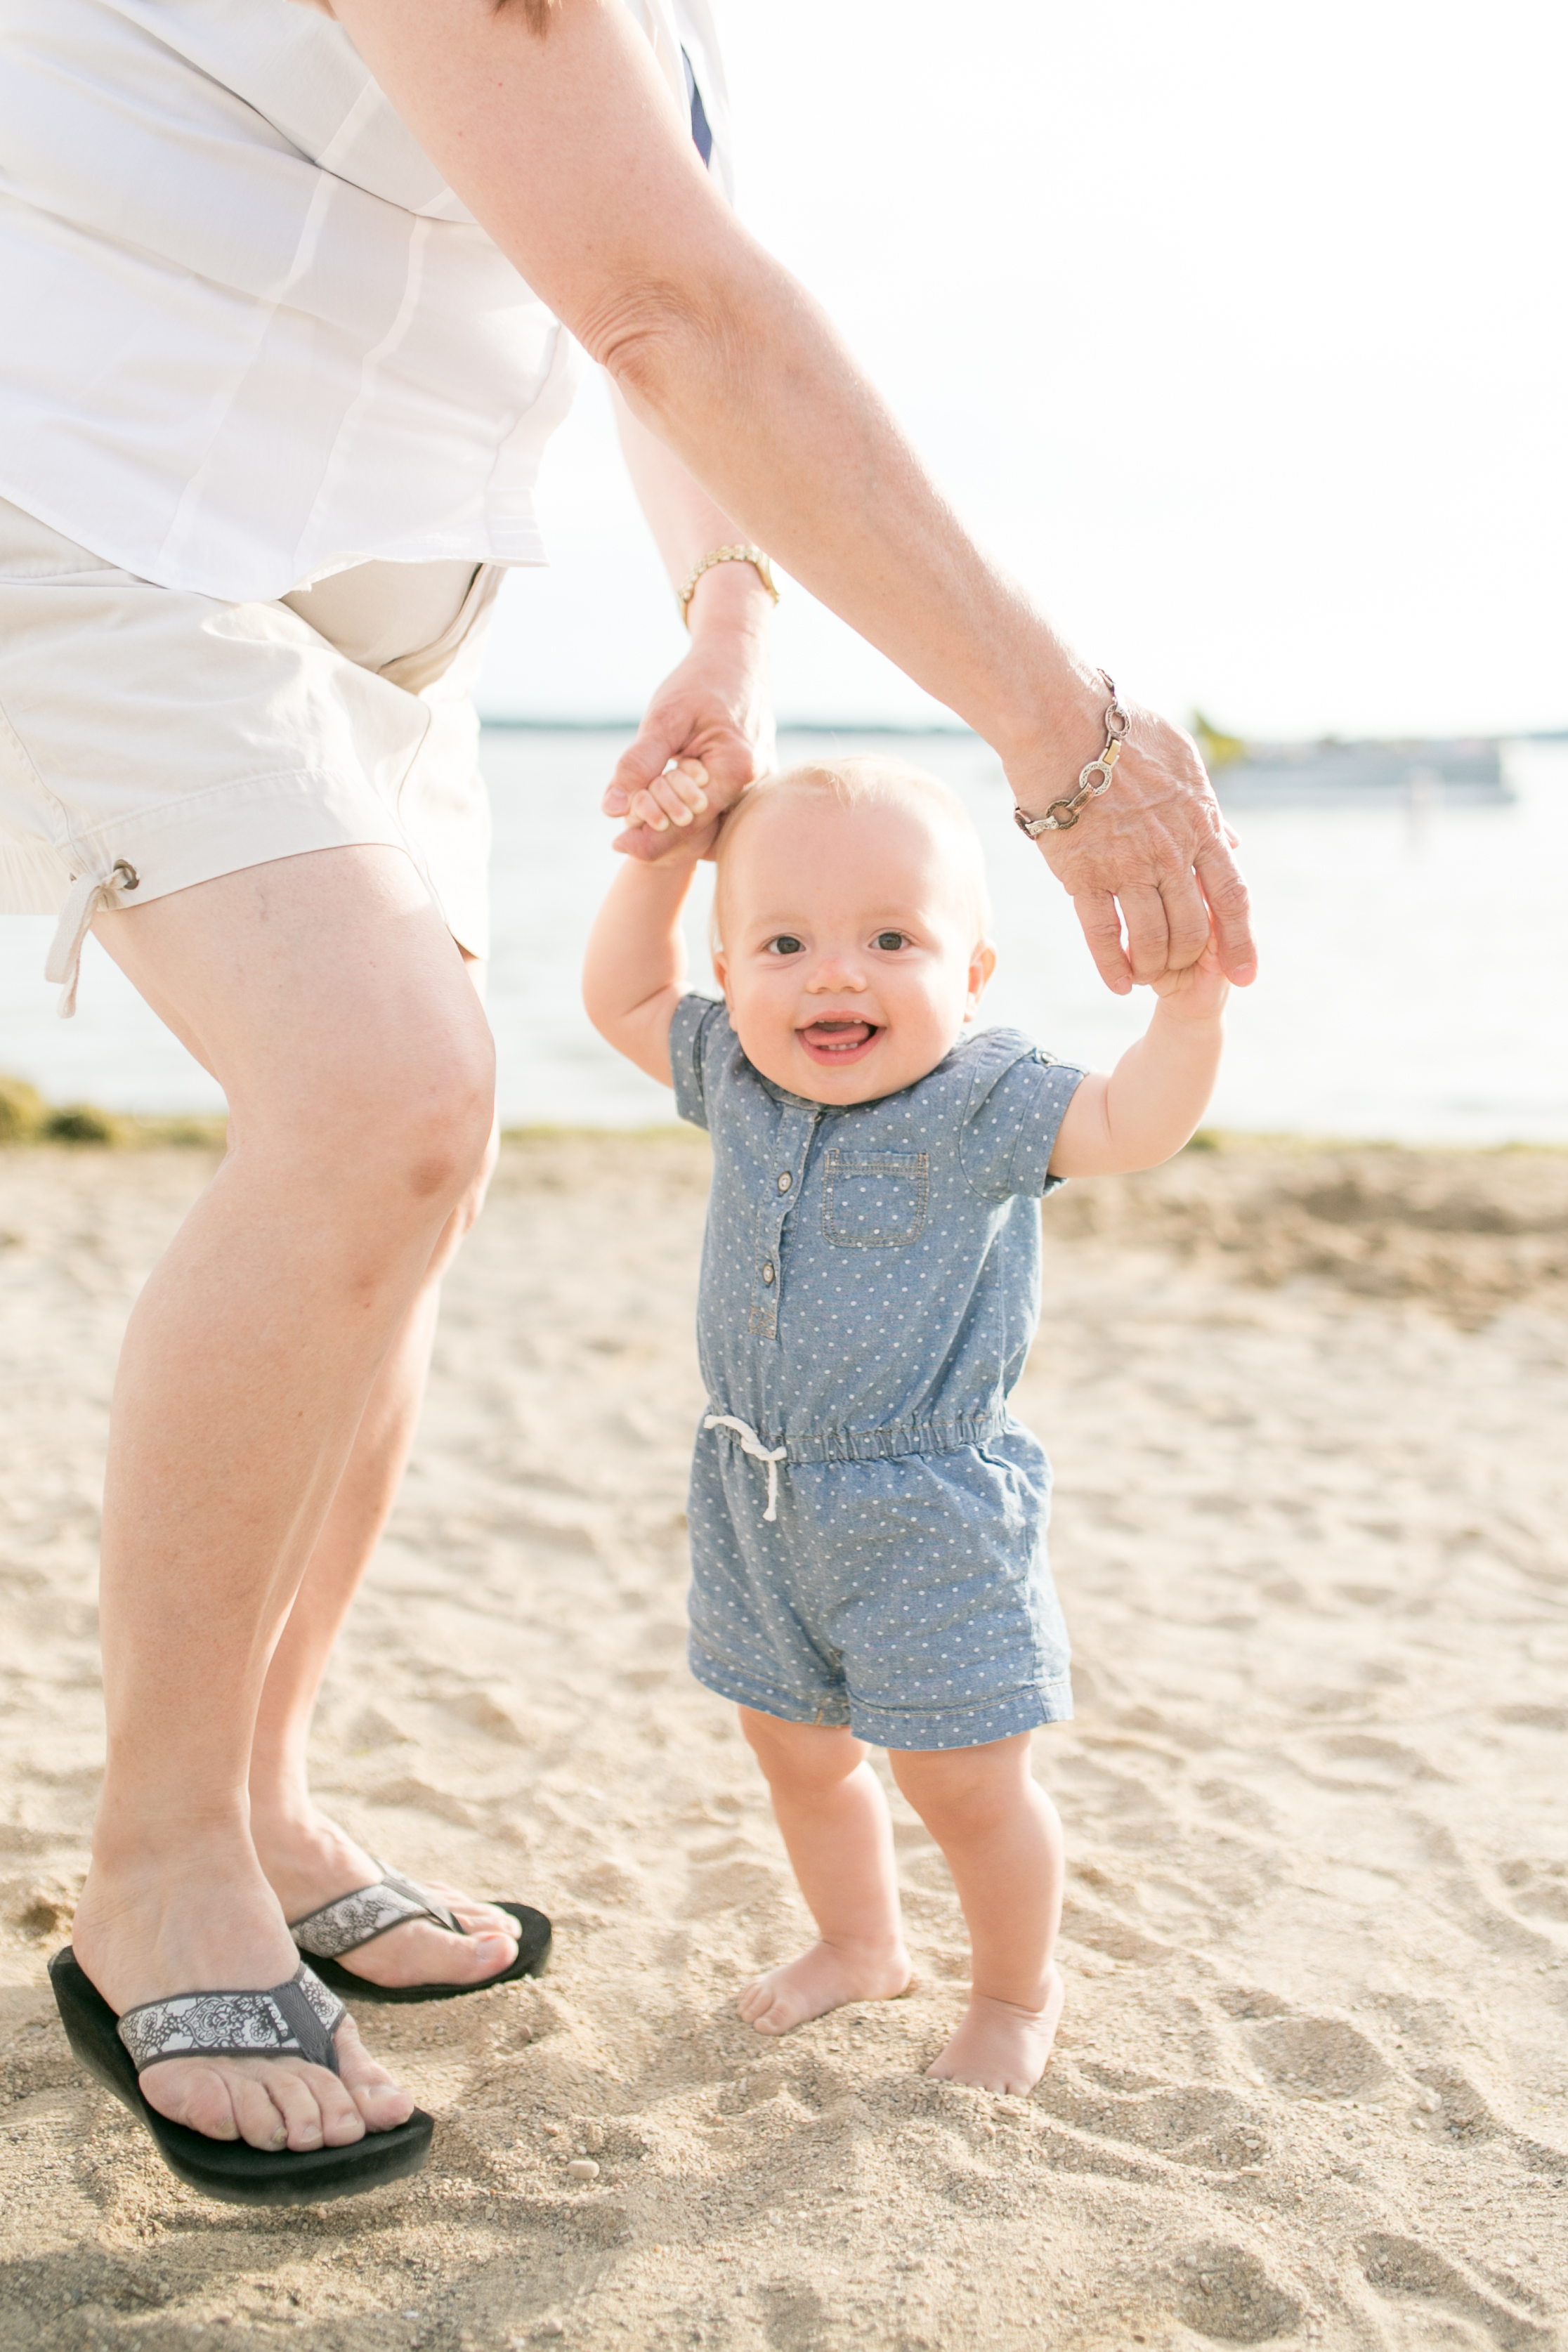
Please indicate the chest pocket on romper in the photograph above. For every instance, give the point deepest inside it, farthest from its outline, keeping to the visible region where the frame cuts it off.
(875, 1200)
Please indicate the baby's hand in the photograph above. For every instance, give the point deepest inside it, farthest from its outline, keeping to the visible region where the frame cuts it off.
(1199, 992)
(687, 826)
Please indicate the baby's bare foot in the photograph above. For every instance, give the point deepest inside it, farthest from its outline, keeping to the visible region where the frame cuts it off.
(825, 1977)
(1001, 2047)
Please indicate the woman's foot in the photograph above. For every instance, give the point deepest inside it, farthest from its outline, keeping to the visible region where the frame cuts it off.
(214, 1925)
(1001, 2047)
(308, 1860)
(827, 1977)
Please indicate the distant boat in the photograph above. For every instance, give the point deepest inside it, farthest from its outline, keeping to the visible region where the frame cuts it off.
(1416, 773)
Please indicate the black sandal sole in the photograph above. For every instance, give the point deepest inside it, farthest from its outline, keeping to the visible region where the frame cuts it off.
(229, 2169)
(534, 1937)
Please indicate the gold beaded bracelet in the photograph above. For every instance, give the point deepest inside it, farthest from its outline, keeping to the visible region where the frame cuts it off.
(752, 555)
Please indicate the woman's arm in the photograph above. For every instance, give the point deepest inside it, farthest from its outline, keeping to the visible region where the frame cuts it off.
(636, 963)
(714, 707)
(569, 148)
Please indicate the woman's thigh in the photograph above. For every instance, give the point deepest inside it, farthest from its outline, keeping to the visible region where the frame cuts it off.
(326, 995)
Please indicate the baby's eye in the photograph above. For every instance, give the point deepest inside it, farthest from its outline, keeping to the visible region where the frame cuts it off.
(890, 942)
(786, 944)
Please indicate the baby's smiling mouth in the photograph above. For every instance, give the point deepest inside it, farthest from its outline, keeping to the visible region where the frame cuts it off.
(838, 1038)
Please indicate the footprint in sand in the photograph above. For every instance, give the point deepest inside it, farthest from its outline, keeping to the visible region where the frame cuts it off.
(1321, 2054)
(1403, 2270)
(1225, 2293)
(1540, 1888)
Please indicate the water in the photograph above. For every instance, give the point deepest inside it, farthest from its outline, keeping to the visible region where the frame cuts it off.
(1415, 960)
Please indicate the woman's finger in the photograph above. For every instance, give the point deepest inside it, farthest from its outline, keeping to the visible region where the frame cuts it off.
(1096, 911)
(1225, 891)
(644, 760)
(1147, 933)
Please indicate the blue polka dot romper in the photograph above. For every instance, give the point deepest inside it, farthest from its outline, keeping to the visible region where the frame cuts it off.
(867, 1519)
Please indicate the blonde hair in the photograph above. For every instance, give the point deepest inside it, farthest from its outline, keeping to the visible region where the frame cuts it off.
(868, 782)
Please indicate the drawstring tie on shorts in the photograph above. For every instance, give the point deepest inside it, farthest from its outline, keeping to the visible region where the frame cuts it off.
(753, 1444)
(88, 893)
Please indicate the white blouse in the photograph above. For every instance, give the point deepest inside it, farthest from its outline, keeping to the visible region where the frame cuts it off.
(250, 336)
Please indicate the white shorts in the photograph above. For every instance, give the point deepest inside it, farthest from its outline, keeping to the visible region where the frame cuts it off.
(152, 738)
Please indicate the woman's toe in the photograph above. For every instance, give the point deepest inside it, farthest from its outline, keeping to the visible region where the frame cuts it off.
(478, 1918)
(187, 2091)
(446, 1958)
(259, 2117)
(341, 2121)
(380, 2102)
(294, 2096)
(382, 2106)
(491, 1952)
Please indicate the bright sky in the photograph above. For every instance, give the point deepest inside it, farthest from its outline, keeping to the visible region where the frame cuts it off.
(1236, 332)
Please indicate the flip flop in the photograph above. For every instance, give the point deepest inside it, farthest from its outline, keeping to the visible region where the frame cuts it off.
(296, 2019)
(371, 1911)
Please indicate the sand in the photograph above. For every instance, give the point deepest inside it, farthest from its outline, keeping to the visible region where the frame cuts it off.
(1307, 1409)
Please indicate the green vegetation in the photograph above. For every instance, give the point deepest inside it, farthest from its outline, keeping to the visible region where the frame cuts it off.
(27, 1118)
(1218, 750)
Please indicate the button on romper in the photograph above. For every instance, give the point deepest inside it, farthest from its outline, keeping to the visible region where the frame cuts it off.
(867, 1519)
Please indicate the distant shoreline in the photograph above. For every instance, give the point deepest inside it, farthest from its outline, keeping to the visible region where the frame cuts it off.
(629, 725)
(785, 726)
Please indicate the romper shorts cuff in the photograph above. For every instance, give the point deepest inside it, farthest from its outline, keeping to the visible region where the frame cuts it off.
(733, 1683)
(974, 1724)
(964, 1727)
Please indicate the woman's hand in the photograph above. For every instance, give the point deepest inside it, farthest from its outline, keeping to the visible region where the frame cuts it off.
(712, 714)
(1153, 854)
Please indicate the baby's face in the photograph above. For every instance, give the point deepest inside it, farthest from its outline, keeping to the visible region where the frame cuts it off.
(850, 960)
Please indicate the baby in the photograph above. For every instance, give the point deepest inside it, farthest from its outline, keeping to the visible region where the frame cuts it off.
(868, 1518)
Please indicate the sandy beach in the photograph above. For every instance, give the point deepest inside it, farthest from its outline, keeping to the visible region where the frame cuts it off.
(1306, 1408)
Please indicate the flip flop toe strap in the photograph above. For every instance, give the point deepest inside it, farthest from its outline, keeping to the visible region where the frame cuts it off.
(371, 1911)
(296, 2019)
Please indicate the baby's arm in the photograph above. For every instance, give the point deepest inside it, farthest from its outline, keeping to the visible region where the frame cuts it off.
(1152, 1102)
(636, 963)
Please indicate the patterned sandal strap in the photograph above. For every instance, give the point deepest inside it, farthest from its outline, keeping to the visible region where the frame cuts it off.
(296, 2019)
(371, 1911)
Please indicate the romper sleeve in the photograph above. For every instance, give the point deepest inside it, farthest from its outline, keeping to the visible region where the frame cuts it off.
(699, 1040)
(1017, 1097)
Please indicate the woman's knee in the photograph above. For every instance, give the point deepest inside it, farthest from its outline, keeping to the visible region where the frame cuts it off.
(464, 1216)
(331, 1003)
(398, 1126)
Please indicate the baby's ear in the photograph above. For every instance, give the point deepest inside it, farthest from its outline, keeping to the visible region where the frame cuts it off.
(982, 964)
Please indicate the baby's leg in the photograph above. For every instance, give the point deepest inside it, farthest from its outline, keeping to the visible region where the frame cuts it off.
(1003, 1842)
(830, 1808)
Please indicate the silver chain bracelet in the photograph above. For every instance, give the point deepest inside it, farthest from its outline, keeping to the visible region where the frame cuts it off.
(1092, 781)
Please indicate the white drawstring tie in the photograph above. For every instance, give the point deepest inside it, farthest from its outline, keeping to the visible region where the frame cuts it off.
(753, 1444)
(88, 893)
